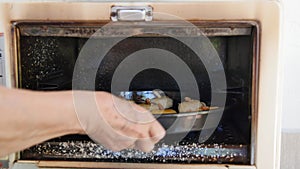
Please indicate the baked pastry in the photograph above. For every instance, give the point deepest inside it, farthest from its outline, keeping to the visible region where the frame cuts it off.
(190, 105)
(162, 102)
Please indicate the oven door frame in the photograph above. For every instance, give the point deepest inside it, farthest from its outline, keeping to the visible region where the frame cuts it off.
(208, 28)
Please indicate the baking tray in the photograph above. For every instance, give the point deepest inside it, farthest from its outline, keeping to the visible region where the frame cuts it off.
(177, 125)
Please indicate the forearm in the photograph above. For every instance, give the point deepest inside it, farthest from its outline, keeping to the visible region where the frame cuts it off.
(28, 118)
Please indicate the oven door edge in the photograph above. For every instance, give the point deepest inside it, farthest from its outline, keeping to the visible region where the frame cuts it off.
(77, 164)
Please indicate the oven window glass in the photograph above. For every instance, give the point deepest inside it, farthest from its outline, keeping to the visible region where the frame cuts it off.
(46, 63)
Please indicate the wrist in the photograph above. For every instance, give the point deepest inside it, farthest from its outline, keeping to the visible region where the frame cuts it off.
(57, 112)
(71, 120)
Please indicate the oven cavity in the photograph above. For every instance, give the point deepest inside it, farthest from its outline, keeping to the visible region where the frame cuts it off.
(47, 54)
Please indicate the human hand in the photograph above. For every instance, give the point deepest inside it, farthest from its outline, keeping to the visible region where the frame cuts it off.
(116, 123)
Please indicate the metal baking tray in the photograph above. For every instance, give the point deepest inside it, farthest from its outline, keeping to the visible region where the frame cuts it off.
(176, 125)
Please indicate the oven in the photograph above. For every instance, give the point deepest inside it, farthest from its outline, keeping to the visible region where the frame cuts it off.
(230, 50)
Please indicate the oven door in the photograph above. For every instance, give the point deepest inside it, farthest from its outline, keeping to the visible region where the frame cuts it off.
(190, 11)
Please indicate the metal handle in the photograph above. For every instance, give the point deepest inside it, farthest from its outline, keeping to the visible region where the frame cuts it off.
(131, 13)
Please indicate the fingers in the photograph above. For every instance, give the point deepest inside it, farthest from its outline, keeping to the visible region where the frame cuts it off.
(125, 125)
(109, 138)
(133, 112)
(145, 145)
(138, 108)
(156, 132)
(146, 135)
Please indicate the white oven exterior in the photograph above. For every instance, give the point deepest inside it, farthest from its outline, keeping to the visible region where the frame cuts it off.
(266, 13)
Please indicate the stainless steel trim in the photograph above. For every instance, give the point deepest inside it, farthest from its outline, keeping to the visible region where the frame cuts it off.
(131, 13)
(255, 92)
(16, 67)
(2, 60)
(74, 164)
(190, 114)
(121, 29)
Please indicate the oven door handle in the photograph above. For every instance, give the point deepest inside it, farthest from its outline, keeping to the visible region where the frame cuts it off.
(131, 13)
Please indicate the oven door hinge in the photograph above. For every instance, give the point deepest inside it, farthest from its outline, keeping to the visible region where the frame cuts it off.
(131, 13)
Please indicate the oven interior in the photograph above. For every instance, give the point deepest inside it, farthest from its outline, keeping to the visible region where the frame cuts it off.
(47, 54)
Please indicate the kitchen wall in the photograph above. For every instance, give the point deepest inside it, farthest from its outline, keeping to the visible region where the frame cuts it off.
(291, 84)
